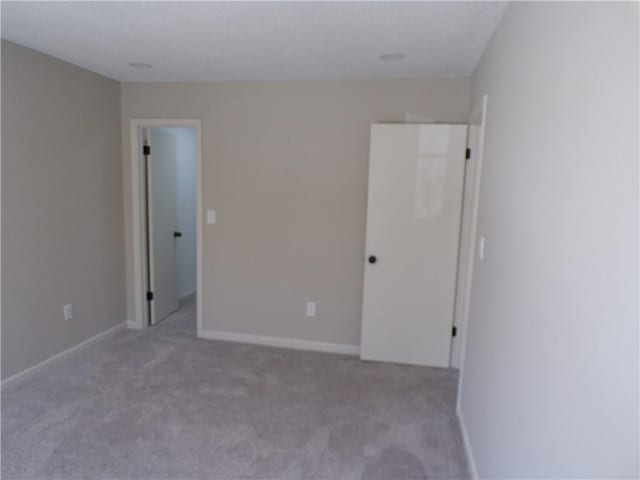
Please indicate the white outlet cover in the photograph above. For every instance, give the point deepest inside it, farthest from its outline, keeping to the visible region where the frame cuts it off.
(211, 217)
(311, 309)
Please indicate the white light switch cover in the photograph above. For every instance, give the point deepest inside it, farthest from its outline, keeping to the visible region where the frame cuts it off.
(211, 217)
(311, 309)
(68, 312)
(481, 248)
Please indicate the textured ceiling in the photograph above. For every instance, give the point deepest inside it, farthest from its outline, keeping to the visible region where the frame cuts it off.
(223, 41)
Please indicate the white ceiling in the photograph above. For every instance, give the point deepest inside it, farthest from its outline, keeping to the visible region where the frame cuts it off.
(224, 41)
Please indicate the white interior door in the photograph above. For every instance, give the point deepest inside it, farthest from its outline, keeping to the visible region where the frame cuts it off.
(413, 228)
(163, 224)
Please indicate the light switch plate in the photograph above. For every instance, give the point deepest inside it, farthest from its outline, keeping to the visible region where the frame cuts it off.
(311, 309)
(481, 248)
(68, 312)
(211, 217)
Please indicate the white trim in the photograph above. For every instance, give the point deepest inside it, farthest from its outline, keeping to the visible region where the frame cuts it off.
(59, 356)
(187, 296)
(133, 325)
(139, 279)
(471, 462)
(139, 282)
(281, 342)
(466, 258)
(480, 111)
(148, 269)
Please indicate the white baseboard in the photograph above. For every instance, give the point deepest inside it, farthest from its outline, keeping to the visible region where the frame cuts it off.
(281, 342)
(471, 462)
(187, 296)
(24, 374)
(133, 325)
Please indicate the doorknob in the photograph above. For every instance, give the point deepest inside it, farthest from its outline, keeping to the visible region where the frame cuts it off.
(373, 259)
(177, 234)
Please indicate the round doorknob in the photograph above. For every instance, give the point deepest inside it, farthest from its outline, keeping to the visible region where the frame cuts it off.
(373, 259)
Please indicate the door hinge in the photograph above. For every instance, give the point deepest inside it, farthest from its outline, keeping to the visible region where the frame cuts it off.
(146, 150)
(149, 296)
(468, 154)
(454, 331)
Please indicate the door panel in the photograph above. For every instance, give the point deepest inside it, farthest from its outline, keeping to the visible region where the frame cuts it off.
(413, 226)
(163, 224)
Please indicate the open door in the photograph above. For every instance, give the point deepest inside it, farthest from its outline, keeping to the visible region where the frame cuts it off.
(162, 233)
(413, 227)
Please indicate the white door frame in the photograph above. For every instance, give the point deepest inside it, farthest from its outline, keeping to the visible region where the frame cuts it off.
(476, 118)
(140, 313)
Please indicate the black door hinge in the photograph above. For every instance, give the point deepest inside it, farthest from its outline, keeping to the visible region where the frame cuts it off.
(468, 154)
(149, 296)
(454, 331)
(146, 150)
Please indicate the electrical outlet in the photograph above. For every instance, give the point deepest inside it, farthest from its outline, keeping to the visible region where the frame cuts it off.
(311, 309)
(68, 311)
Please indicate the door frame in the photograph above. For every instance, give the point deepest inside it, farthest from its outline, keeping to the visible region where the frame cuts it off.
(139, 215)
(477, 117)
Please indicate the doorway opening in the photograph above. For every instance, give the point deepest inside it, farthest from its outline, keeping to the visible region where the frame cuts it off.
(170, 167)
(167, 227)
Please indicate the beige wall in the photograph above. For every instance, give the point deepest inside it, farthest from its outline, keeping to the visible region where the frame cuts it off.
(62, 225)
(285, 166)
(550, 378)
